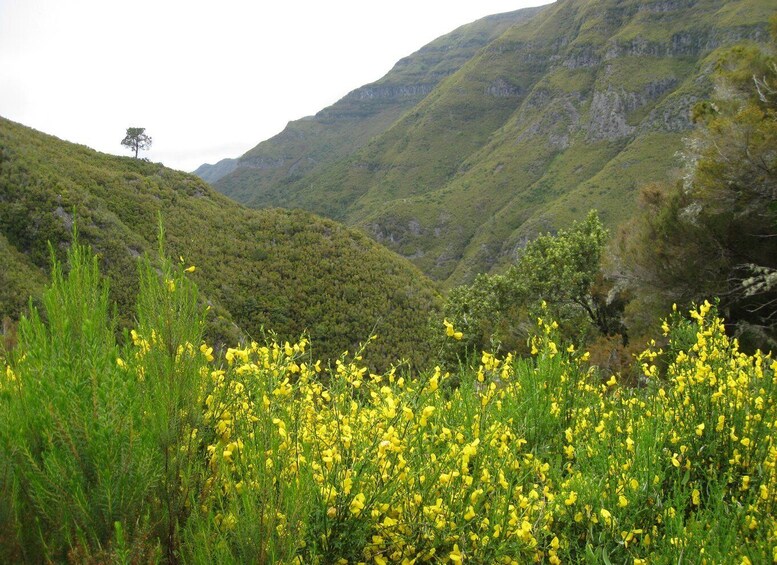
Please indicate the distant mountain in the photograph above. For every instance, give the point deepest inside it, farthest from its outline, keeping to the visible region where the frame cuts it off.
(572, 107)
(306, 145)
(212, 173)
(282, 271)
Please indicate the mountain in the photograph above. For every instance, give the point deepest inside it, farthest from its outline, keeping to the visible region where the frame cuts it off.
(285, 271)
(306, 145)
(571, 108)
(212, 173)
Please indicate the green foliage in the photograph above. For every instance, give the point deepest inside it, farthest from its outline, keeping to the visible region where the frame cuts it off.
(710, 234)
(563, 269)
(285, 270)
(558, 275)
(74, 449)
(136, 139)
(170, 326)
(157, 451)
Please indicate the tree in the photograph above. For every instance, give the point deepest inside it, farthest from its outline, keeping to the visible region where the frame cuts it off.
(713, 233)
(136, 139)
(562, 271)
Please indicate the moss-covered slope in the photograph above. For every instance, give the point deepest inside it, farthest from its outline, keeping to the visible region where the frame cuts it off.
(285, 271)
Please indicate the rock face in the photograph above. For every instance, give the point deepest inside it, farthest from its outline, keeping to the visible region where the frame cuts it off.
(506, 133)
(608, 116)
(398, 91)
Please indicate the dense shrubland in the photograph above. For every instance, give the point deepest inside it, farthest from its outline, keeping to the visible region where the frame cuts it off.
(126, 437)
(153, 449)
(287, 271)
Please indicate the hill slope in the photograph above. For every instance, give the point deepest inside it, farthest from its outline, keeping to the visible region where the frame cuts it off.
(286, 271)
(268, 172)
(572, 109)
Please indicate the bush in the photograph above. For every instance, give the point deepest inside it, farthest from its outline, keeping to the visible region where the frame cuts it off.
(156, 450)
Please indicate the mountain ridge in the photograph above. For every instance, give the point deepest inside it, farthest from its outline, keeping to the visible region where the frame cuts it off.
(572, 108)
(306, 143)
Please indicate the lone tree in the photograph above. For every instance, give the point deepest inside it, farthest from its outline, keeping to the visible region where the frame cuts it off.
(136, 139)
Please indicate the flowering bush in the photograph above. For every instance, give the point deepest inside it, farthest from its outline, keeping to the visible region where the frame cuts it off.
(262, 455)
(524, 460)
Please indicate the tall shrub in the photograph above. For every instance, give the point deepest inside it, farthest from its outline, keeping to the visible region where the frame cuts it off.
(70, 422)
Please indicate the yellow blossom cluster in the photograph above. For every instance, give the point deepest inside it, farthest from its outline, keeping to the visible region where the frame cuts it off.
(515, 460)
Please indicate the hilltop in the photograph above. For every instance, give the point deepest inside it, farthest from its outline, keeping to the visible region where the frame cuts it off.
(285, 271)
(571, 108)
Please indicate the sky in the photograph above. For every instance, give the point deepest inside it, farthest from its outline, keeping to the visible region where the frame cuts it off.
(207, 80)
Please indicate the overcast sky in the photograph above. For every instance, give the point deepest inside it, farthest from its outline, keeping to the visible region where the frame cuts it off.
(207, 80)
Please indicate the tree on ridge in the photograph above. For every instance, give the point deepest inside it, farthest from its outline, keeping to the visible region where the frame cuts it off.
(136, 139)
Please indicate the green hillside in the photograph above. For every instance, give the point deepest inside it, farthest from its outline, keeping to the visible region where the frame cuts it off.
(290, 272)
(267, 174)
(572, 109)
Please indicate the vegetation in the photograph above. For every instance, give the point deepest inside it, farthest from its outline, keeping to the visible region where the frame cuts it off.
(558, 274)
(287, 271)
(155, 450)
(219, 408)
(136, 139)
(711, 234)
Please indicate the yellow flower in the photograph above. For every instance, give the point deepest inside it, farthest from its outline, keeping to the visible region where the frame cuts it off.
(450, 331)
(357, 504)
(207, 352)
(456, 556)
